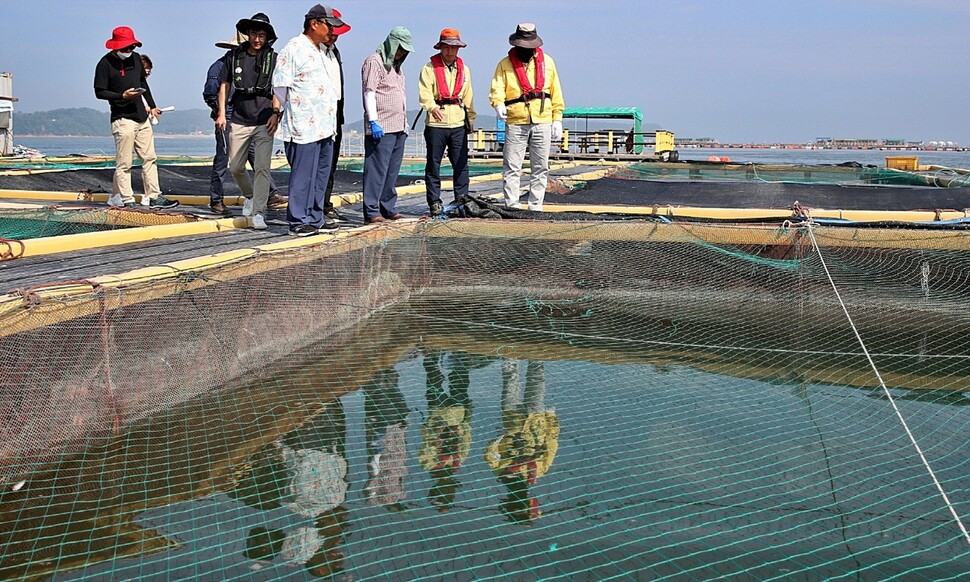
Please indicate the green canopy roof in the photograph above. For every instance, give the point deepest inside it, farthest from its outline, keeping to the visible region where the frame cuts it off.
(611, 113)
(604, 112)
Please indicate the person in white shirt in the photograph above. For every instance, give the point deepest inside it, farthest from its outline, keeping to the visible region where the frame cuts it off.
(307, 83)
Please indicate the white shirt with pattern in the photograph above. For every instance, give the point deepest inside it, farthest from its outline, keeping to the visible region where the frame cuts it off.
(310, 111)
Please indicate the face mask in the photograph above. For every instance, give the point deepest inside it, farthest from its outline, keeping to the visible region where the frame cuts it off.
(524, 54)
(124, 56)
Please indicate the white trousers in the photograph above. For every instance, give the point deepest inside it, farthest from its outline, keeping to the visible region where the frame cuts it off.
(537, 138)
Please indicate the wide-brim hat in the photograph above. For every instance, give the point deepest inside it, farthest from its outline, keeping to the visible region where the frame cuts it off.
(259, 21)
(525, 36)
(121, 37)
(450, 37)
(233, 42)
(343, 28)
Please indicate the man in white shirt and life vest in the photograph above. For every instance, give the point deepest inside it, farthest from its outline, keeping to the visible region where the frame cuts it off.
(526, 93)
(445, 94)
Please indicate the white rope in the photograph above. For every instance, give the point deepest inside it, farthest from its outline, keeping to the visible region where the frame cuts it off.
(889, 395)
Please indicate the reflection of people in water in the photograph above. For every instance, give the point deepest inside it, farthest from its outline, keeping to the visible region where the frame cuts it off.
(446, 435)
(529, 442)
(316, 547)
(385, 427)
(304, 472)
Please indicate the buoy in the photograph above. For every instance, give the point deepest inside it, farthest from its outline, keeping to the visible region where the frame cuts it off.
(726, 159)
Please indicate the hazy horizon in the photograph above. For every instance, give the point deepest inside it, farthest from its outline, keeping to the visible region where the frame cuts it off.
(750, 71)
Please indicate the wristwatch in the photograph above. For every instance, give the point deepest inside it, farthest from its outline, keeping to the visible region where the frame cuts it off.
(276, 111)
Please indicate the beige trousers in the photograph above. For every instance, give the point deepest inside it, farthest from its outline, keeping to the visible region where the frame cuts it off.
(240, 136)
(130, 135)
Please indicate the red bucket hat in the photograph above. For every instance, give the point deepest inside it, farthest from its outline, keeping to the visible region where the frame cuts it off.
(121, 37)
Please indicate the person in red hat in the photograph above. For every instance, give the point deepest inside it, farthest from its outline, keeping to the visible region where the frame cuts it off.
(329, 211)
(526, 93)
(120, 79)
(445, 94)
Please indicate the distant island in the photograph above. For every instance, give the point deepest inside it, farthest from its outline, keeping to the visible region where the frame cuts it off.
(84, 121)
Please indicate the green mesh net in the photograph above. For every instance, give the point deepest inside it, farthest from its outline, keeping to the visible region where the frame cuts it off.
(500, 399)
(843, 174)
(16, 166)
(29, 223)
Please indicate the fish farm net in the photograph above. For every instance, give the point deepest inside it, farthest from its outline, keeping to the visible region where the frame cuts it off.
(696, 184)
(476, 399)
(848, 173)
(30, 223)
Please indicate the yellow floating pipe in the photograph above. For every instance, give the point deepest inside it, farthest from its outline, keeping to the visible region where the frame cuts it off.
(71, 242)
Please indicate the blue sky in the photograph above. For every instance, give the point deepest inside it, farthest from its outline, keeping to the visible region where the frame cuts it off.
(755, 71)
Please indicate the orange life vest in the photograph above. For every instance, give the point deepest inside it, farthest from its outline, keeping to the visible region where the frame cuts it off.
(446, 97)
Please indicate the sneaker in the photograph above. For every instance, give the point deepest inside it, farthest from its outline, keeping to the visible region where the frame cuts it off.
(162, 203)
(333, 215)
(220, 208)
(146, 201)
(276, 201)
(116, 200)
(259, 223)
(329, 223)
(303, 230)
(248, 207)
(436, 209)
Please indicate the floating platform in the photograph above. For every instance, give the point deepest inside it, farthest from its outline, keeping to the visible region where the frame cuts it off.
(621, 385)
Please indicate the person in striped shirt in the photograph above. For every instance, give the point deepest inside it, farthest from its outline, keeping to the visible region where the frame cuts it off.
(385, 124)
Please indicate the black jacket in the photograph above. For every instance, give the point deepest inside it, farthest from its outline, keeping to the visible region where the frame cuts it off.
(113, 76)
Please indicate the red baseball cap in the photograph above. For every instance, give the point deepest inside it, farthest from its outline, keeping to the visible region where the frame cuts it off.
(338, 30)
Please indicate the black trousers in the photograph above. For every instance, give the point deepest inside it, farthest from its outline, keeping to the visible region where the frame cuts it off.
(327, 201)
(455, 140)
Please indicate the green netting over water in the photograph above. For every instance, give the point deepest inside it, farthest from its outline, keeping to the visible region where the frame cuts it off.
(23, 224)
(16, 165)
(507, 400)
(845, 174)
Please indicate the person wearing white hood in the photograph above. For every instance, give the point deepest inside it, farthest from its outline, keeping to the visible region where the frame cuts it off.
(385, 124)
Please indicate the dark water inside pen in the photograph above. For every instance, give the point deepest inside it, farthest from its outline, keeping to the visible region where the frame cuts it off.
(628, 469)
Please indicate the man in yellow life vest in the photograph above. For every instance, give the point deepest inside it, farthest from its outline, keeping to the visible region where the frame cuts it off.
(445, 94)
(525, 450)
(526, 93)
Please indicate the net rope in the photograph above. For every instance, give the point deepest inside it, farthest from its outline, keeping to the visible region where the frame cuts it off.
(889, 396)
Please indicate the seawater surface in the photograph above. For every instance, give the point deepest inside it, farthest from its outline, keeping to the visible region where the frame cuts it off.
(473, 456)
(204, 145)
